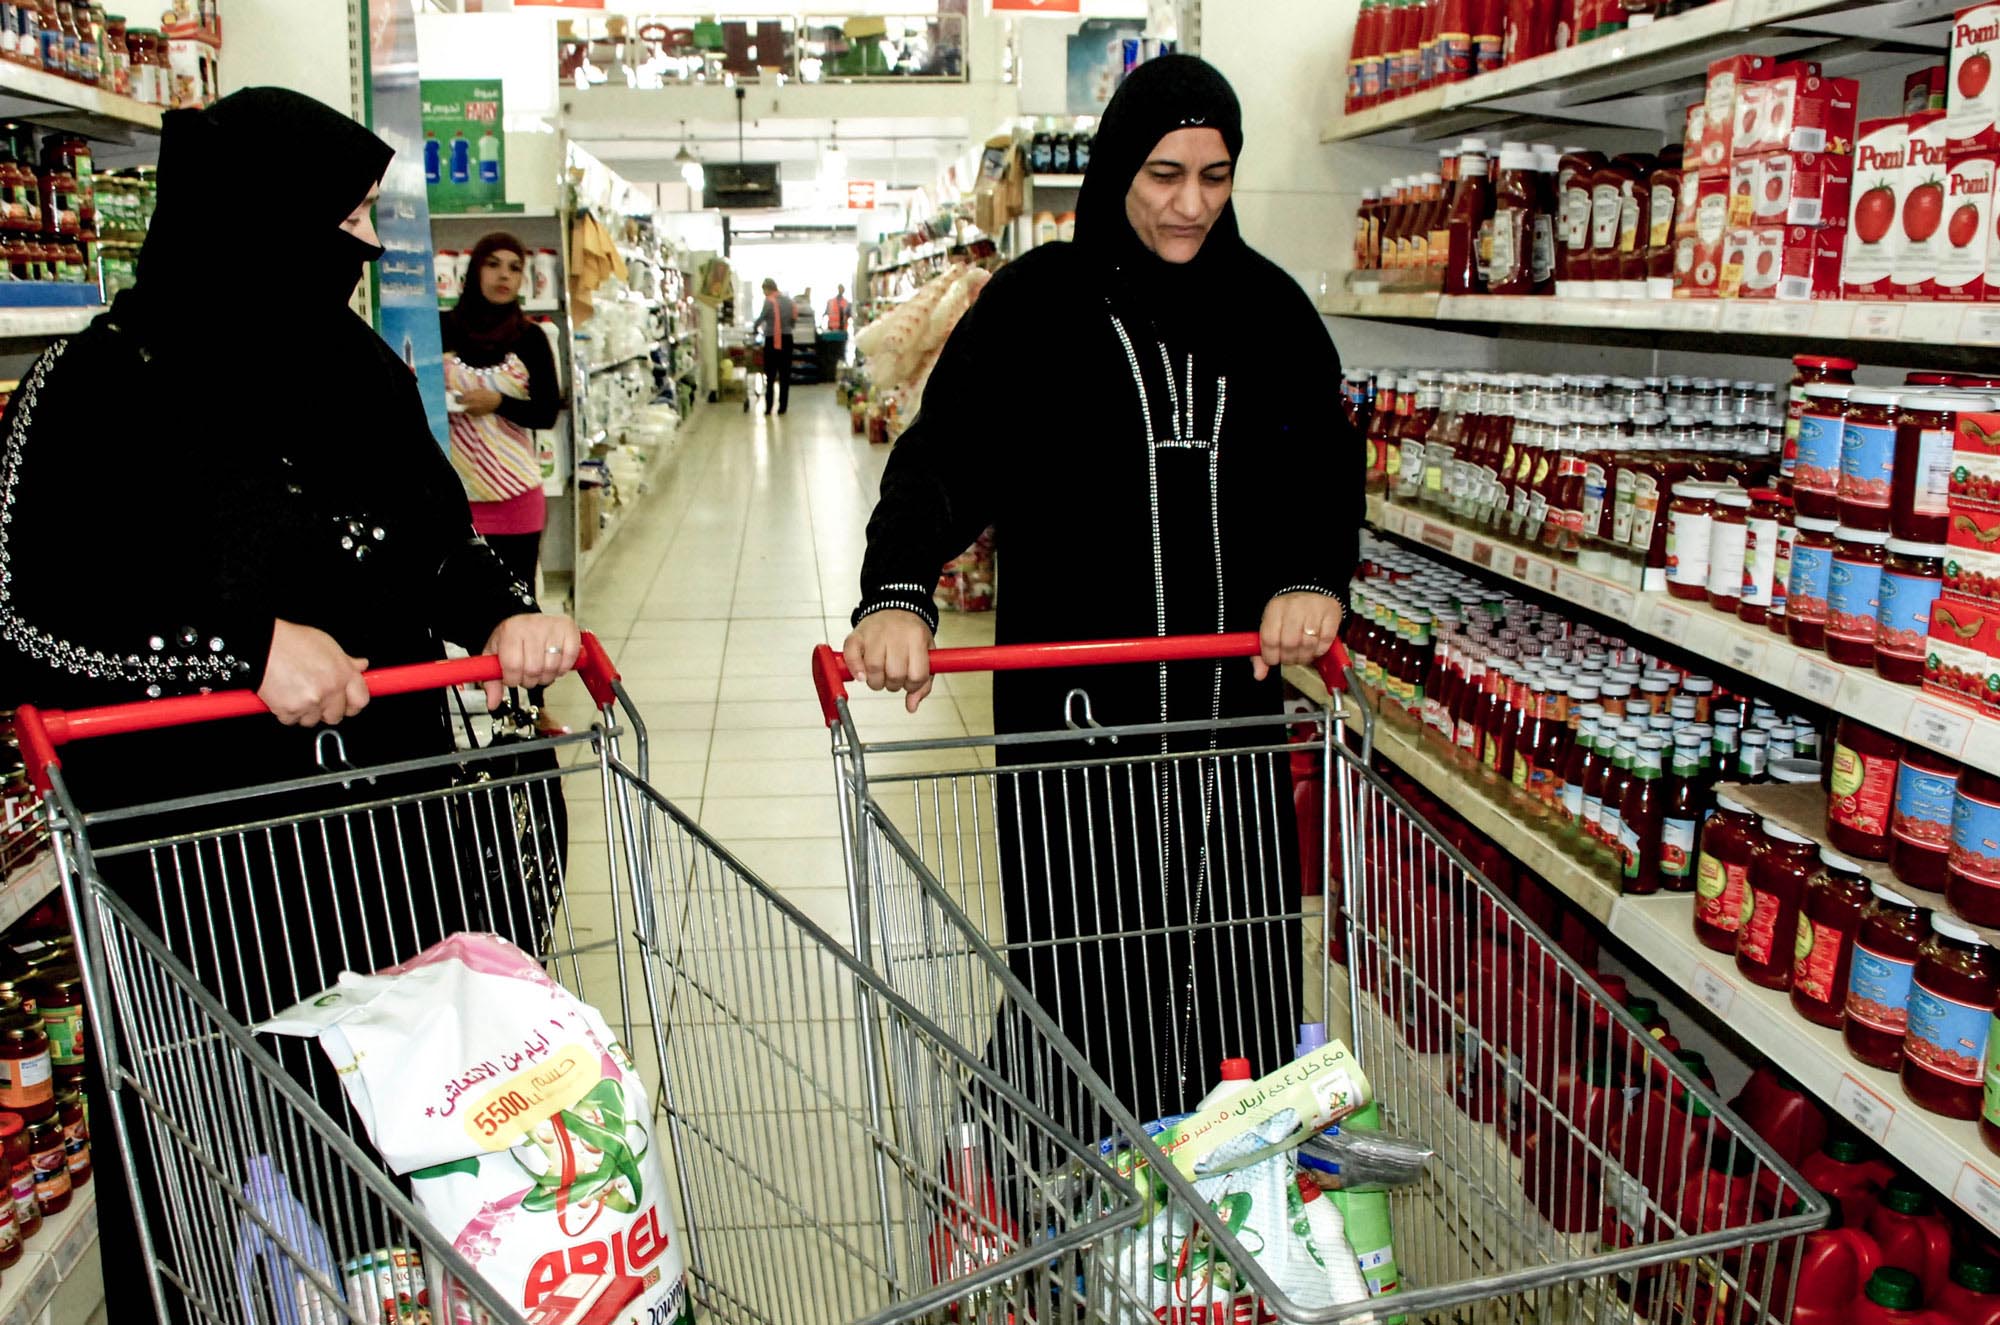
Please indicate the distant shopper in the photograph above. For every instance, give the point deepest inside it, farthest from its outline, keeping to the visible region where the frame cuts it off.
(304, 527)
(774, 326)
(503, 382)
(1196, 480)
(839, 312)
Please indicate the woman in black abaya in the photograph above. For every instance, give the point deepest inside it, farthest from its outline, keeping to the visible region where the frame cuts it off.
(1180, 475)
(227, 481)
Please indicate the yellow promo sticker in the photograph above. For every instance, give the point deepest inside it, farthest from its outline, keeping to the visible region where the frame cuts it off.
(503, 1116)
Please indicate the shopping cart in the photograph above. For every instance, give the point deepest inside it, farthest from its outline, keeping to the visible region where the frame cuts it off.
(749, 361)
(802, 1197)
(1581, 1173)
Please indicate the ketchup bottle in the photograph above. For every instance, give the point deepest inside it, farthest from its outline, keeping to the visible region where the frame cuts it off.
(1454, 43)
(1951, 1006)
(1833, 1266)
(1471, 208)
(1844, 1170)
(1777, 1109)
(1972, 1297)
(1912, 1234)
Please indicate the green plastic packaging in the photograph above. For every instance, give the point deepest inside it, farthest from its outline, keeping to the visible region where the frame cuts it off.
(1366, 1215)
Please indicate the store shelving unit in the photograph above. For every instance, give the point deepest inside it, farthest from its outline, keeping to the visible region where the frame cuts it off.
(58, 1279)
(1702, 632)
(27, 93)
(1622, 80)
(27, 886)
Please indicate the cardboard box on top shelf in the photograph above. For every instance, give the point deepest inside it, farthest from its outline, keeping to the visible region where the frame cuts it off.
(1972, 93)
(1694, 131)
(1924, 88)
(1965, 258)
(1800, 188)
(1698, 249)
(1921, 214)
(1791, 263)
(1728, 80)
(1797, 109)
(1873, 241)
(1736, 247)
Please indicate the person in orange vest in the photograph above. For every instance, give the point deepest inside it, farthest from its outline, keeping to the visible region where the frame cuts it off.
(839, 312)
(775, 322)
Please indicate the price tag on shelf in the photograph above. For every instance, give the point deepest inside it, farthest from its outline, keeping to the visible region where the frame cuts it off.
(1978, 1195)
(1540, 574)
(1746, 318)
(1744, 654)
(1461, 546)
(1437, 536)
(1939, 728)
(1878, 321)
(1863, 1107)
(1713, 989)
(1615, 602)
(1484, 553)
(1788, 319)
(1816, 681)
(1933, 324)
(1980, 326)
(1671, 624)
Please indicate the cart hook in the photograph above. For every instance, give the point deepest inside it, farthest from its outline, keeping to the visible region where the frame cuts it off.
(339, 763)
(1069, 705)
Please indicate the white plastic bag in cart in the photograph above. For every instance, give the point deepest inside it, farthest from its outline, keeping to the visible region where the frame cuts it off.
(522, 1123)
(1167, 1269)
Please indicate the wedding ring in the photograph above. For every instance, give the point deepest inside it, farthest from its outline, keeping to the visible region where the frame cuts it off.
(1311, 633)
(553, 648)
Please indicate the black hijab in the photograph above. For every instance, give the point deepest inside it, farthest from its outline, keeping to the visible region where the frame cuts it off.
(1183, 300)
(308, 166)
(476, 325)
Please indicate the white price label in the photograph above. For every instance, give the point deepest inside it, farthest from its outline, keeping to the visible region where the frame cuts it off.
(1978, 1195)
(1816, 681)
(1461, 546)
(1743, 317)
(1615, 602)
(1935, 324)
(1940, 728)
(1789, 319)
(1878, 322)
(1483, 553)
(1671, 624)
(1541, 574)
(1745, 655)
(1713, 989)
(1980, 326)
(1863, 1107)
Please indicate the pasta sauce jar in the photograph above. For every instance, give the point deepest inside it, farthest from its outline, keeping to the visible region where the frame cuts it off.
(1829, 917)
(1766, 938)
(1729, 841)
(1972, 881)
(1690, 534)
(1878, 982)
(1912, 579)
(1728, 544)
(1867, 458)
(1760, 556)
(1861, 790)
(1816, 470)
(1854, 594)
(1926, 428)
(1810, 581)
(1920, 824)
(1951, 1008)
(27, 1077)
(1810, 370)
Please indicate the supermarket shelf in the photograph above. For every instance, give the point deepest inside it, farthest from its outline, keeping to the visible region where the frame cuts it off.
(33, 94)
(58, 1272)
(1944, 333)
(1696, 629)
(1407, 749)
(26, 887)
(1056, 181)
(609, 364)
(1947, 1154)
(1588, 83)
(42, 323)
(530, 214)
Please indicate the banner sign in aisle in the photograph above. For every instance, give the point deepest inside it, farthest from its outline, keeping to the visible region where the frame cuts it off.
(465, 146)
(406, 312)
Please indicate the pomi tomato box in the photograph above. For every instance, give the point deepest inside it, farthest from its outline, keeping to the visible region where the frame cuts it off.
(1921, 216)
(1793, 263)
(1965, 257)
(1972, 93)
(1884, 179)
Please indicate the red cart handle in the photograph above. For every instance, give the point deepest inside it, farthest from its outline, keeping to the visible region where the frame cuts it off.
(831, 675)
(41, 733)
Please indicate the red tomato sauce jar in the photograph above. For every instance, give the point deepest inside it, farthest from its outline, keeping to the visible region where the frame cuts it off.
(1778, 877)
(1854, 594)
(1912, 579)
(1926, 426)
(1816, 464)
(1920, 822)
(1861, 790)
(1811, 580)
(1886, 945)
(1867, 458)
(1951, 1007)
(1972, 884)
(1829, 918)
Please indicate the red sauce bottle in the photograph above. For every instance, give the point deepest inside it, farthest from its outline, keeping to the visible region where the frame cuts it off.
(1972, 883)
(1770, 925)
(1688, 802)
(1778, 1109)
(1471, 209)
(1845, 1170)
(1829, 918)
(1639, 819)
(1972, 1295)
(1729, 842)
(1516, 212)
(1920, 821)
(1951, 1007)
(1574, 175)
(1862, 790)
(1635, 205)
(1913, 1235)
(1878, 980)
(1610, 186)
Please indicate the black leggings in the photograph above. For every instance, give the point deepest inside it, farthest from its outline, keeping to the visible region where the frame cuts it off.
(520, 553)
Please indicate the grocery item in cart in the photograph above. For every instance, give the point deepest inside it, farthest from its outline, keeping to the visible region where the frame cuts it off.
(518, 1116)
(1297, 1100)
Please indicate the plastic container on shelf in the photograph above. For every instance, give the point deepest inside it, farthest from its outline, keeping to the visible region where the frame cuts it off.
(1972, 876)
(1829, 917)
(1951, 1005)
(1854, 594)
(1971, 1295)
(1847, 1170)
(1778, 1109)
(1729, 843)
(1913, 1235)
(1760, 556)
(1862, 790)
(1811, 579)
(1912, 579)
(1920, 821)
(1867, 458)
(1878, 983)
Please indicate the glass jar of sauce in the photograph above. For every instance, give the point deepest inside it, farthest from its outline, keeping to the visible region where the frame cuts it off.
(1972, 877)
(1926, 427)
(1892, 933)
(22, 1210)
(1854, 594)
(1912, 579)
(1862, 789)
(76, 1136)
(1920, 823)
(1729, 842)
(1867, 458)
(1829, 918)
(1778, 876)
(1809, 370)
(27, 1084)
(1811, 581)
(1728, 545)
(1690, 534)
(1816, 467)
(1760, 556)
(51, 1165)
(1951, 1007)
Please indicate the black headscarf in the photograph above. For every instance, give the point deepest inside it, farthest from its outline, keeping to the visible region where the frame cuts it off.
(1166, 94)
(485, 328)
(308, 166)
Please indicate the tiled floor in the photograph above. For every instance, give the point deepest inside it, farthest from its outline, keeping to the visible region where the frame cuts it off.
(745, 556)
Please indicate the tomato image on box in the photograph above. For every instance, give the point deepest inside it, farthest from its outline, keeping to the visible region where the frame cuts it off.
(1962, 260)
(1874, 239)
(1972, 96)
(1921, 215)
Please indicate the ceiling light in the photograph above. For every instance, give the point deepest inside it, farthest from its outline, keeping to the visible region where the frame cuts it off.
(692, 173)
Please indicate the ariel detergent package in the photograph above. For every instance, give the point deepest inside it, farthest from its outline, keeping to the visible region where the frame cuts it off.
(522, 1124)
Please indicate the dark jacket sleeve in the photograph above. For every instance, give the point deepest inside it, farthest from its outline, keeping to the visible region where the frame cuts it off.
(545, 395)
(1318, 555)
(152, 584)
(937, 489)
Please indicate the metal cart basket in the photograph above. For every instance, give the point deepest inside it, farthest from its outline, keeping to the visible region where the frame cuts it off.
(1581, 1174)
(802, 1198)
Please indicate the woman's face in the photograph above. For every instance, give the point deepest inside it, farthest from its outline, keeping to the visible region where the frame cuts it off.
(1178, 193)
(500, 276)
(361, 221)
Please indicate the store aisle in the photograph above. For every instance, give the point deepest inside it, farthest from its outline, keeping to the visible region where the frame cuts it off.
(744, 557)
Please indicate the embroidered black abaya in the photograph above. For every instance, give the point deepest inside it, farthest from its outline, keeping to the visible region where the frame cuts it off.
(1160, 451)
